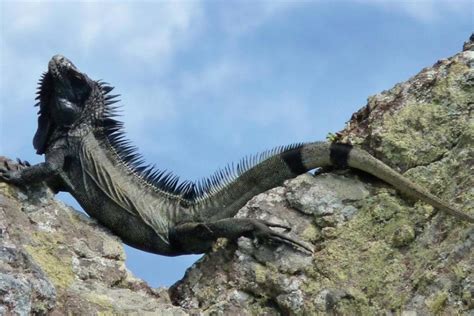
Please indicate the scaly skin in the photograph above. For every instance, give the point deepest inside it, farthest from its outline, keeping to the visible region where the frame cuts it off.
(87, 157)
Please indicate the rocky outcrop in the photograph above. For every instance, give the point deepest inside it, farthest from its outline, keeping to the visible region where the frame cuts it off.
(376, 252)
(55, 260)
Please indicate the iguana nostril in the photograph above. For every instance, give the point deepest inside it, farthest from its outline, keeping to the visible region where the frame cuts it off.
(58, 58)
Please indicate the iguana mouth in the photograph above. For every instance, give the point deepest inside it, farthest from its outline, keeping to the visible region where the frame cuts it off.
(62, 74)
(58, 65)
(67, 80)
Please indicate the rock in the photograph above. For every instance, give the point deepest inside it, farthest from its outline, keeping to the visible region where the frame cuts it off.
(403, 235)
(375, 251)
(55, 260)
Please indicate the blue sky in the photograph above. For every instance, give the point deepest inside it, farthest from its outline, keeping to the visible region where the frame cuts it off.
(205, 83)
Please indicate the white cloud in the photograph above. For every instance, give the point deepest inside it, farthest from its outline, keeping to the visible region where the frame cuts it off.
(101, 22)
(151, 107)
(23, 18)
(148, 32)
(423, 10)
(214, 77)
(129, 35)
(154, 32)
(238, 18)
(284, 107)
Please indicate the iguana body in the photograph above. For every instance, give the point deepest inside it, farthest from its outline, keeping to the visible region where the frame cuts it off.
(87, 156)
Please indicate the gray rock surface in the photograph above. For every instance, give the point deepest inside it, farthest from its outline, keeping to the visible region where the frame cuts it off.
(55, 260)
(375, 251)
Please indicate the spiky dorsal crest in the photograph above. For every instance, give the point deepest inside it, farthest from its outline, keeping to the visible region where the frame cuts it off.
(165, 181)
(43, 92)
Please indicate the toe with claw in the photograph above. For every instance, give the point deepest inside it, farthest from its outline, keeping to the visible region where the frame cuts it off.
(12, 172)
(264, 232)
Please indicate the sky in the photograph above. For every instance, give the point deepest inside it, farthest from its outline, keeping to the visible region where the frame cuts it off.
(204, 83)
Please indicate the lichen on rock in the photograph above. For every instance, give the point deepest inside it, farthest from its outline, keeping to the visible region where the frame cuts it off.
(56, 260)
(376, 251)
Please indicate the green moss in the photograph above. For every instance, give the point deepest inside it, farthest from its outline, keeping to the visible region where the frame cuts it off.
(459, 272)
(452, 90)
(56, 264)
(354, 307)
(258, 308)
(101, 300)
(311, 234)
(329, 232)
(260, 273)
(391, 251)
(332, 138)
(381, 208)
(402, 235)
(467, 299)
(437, 302)
(362, 256)
(418, 134)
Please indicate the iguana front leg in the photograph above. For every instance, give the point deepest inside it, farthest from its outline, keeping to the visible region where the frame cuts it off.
(198, 237)
(23, 173)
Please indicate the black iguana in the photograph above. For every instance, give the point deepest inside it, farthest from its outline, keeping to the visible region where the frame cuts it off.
(87, 156)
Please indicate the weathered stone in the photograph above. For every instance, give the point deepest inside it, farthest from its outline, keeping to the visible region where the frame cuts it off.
(54, 260)
(377, 252)
(403, 235)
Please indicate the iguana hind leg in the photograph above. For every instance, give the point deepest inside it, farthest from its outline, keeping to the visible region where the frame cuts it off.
(198, 237)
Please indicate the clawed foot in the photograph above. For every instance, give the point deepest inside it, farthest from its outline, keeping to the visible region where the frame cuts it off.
(12, 172)
(197, 237)
(262, 231)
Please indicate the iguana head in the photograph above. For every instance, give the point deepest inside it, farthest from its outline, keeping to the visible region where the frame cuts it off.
(66, 96)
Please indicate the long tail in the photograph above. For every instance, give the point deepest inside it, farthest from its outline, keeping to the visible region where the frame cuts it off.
(297, 160)
(362, 160)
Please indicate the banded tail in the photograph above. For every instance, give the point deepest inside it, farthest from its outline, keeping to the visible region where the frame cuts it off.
(296, 160)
